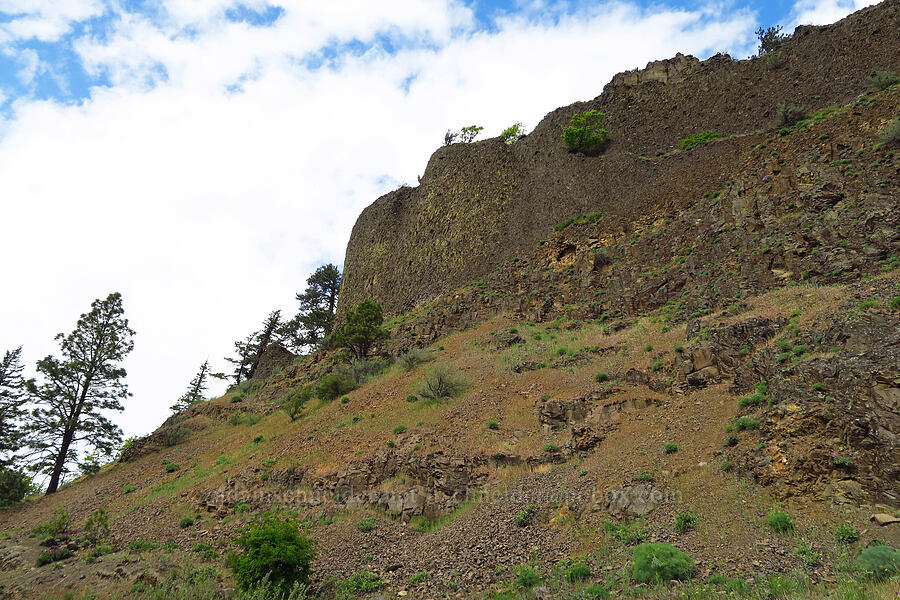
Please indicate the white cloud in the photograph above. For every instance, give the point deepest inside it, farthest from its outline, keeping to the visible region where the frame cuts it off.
(823, 12)
(44, 20)
(207, 208)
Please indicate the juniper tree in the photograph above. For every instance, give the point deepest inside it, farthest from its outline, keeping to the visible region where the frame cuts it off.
(75, 390)
(196, 389)
(315, 319)
(11, 391)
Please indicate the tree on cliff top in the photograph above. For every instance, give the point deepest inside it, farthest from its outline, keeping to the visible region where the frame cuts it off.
(77, 388)
(196, 389)
(362, 329)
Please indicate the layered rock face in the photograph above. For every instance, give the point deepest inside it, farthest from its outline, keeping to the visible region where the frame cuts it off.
(479, 204)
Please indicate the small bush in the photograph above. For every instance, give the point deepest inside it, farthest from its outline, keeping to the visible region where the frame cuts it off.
(138, 546)
(174, 435)
(586, 133)
(294, 400)
(846, 533)
(525, 516)
(53, 555)
(890, 135)
(660, 563)
(627, 534)
(879, 562)
(645, 476)
(334, 385)
(550, 447)
(258, 439)
(367, 524)
(743, 424)
(577, 572)
(789, 114)
(590, 218)
(780, 522)
(656, 366)
(128, 489)
(271, 546)
(419, 577)
(805, 552)
(882, 80)
(364, 582)
(185, 522)
(696, 139)
(412, 398)
(493, 425)
(685, 521)
(399, 429)
(513, 133)
(601, 377)
(171, 467)
(415, 357)
(727, 466)
(96, 528)
(670, 448)
(441, 382)
(57, 525)
(528, 578)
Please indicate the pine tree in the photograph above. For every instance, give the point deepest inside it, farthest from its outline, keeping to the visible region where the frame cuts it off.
(362, 329)
(196, 389)
(11, 391)
(245, 351)
(268, 335)
(315, 319)
(77, 388)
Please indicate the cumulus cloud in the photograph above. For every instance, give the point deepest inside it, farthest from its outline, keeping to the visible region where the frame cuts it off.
(818, 12)
(225, 160)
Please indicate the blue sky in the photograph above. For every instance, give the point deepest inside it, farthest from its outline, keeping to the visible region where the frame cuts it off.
(204, 156)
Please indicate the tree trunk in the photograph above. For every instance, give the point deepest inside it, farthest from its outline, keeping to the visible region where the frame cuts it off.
(60, 462)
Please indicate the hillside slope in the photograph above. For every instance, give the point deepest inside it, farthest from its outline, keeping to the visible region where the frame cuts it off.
(729, 349)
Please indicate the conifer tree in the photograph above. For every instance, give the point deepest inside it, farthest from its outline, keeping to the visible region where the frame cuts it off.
(245, 351)
(314, 321)
(11, 392)
(268, 335)
(362, 329)
(75, 389)
(196, 391)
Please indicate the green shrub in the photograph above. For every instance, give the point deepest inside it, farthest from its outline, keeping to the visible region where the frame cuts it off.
(128, 489)
(589, 218)
(595, 592)
(743, 424)
(364, 582)
(419, 577)
(882, 80)
(879, 562)
(412, 398)
(399, 429)
(845, 533)
(138, 546)
(271, 546)
(441, 382)
(627, 534)
(513, 133)
(96, 528)
(789, 114)
(891, 135)
(661, 563)
(57, 525)
(528, 578)
(415, 357)
(670, 448)
(601, 377)
(577, 572)
(493, 425)
(174, 435)
(805, 552)
(727, 466)
(185, 522)
(367, 524)
(53, 555)
(258, 439)
(525, 516)
(586, 133)
(780, 522)
(171, 467)
(645, 476)
(656, 366)
(14, 486)
(334, 385)
(685, 521)
(550, 447)
(294, 400)
(696, 139)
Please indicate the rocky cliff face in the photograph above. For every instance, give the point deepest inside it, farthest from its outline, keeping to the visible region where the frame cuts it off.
(480, 204)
